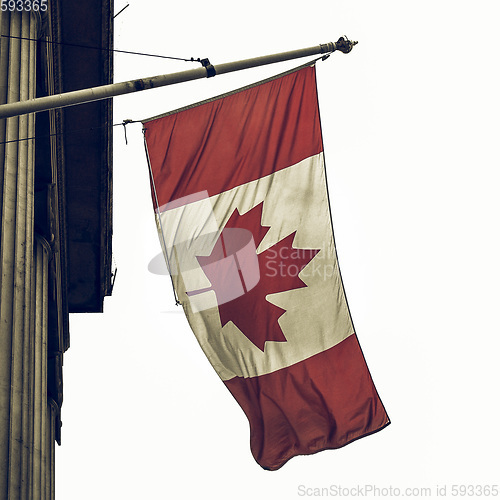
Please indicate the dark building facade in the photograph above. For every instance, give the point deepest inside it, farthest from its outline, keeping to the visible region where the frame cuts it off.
(56, 223)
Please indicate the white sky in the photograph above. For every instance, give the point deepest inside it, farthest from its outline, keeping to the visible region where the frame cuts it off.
(411, 128)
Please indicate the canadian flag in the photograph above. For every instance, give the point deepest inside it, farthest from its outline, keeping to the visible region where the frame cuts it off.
(241, 203)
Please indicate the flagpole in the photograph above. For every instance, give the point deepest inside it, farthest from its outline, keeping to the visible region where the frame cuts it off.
(208, 70)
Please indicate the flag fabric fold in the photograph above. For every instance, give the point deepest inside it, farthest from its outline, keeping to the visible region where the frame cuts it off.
(242, 209)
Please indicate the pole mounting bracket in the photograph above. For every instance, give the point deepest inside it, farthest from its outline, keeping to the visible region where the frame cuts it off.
(209, 67)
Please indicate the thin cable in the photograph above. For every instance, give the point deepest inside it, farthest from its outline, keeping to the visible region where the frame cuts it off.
(192, 59)
(69, 132)
(113, 273)
(162, 240)
(128, 5)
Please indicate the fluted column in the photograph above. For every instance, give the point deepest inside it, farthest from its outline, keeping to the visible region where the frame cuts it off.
(40, 466)
(26, 457)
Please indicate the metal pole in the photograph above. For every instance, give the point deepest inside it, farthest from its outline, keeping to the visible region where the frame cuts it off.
(208, 70)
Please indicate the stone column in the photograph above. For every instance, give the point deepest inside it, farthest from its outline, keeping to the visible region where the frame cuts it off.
(26, 438)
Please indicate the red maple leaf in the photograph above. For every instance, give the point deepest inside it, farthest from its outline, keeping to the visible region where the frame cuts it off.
(277, 271)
